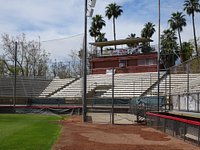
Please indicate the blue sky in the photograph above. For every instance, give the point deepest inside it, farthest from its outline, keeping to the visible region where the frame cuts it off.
(54, 19)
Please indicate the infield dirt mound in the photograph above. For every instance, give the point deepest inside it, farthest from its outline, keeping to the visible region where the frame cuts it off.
(76, 135)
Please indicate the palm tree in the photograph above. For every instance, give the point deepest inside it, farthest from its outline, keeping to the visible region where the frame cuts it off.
(93, 32)
(113, 11)
(96, 26)
(169, 47)
(168, 40)
(101, 38)
(177, 22)
(186, 54)
(192, 6)
(132, 36)
(148, 31)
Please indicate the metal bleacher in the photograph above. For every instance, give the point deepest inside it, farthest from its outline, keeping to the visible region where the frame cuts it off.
(25, 87)
(55, 85)
(127, 85)
(74, 90)
(176, 84)
(132, 84)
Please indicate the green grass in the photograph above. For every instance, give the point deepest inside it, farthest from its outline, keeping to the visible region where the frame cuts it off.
(28, 132)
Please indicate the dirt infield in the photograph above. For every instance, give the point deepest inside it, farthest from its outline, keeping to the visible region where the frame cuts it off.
(76, 135)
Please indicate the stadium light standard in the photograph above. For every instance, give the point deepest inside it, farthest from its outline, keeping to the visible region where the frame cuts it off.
(87, 13)
(113, 86)
(158, 61)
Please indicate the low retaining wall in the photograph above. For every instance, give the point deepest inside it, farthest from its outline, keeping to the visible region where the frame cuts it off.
(183, 127)
(41, 109)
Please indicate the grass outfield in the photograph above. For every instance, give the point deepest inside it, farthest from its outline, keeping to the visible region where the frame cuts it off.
(28, 132)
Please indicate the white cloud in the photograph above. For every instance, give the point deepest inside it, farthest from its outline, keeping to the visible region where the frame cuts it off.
(51, 19)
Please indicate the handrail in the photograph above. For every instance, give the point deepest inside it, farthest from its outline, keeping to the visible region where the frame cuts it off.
(89, 87)
(174, 118)
(153, 85)
(62, 87)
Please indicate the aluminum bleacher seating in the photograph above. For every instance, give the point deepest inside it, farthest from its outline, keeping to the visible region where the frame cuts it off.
(25, 86)
(56, 84)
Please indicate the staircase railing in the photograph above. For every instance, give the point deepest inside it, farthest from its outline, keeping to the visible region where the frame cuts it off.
(154, 84)
(62, 87)
(141, 106)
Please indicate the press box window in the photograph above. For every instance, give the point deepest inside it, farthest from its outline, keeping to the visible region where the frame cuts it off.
(122, 63)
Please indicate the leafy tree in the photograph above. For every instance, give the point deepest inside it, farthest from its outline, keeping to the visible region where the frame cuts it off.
(177, 22)
(61, 69)
(76, 63)
(101, 38)
(2, 68)
(54, 68)
(31, 60)
(169, 48)
(191, 7)
(113, 11)
(96, 26)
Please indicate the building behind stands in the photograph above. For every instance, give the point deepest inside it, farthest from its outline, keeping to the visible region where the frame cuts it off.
(124, 60)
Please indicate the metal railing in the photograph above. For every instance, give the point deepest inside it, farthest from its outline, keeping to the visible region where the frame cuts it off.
(182, 127)
(186, 102)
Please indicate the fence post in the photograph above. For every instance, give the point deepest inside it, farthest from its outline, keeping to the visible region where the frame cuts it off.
(199, 136)
(164, 126)
(113, 74)
(198, 103)
(150, 124)
(173, 126)
(188, 85)
(184, 130)
(179, 102)
(169, 89)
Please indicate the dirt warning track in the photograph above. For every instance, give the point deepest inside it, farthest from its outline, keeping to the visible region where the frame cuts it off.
(76, 135)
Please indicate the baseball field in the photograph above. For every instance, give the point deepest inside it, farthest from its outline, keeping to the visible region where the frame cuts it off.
(53, 132)
(28, 131)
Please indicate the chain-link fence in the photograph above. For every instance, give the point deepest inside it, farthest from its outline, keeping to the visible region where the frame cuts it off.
(26, 87)
(190, 66)
(186, 102)
(183, 127)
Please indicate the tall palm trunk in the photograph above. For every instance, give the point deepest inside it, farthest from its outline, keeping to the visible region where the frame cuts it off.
(114, 30)
(195, 40)
(101, 50)
(179, 36)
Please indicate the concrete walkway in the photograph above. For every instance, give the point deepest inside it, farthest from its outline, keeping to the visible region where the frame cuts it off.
(105, 118)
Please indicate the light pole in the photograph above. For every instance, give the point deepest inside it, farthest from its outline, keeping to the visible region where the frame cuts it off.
(84, 92)
(158, 61)
(113, 86)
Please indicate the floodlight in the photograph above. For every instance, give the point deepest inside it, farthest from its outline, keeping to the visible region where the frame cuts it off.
(90, 12)
(92, 3)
